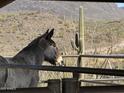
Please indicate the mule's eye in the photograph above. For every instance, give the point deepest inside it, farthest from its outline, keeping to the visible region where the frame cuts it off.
(62, 53)
(54, 45)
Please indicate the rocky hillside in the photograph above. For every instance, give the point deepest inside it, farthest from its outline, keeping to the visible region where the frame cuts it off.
(23, 20)
(68, 9)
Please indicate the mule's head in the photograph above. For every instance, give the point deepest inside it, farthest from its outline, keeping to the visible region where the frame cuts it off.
(41, 48)
(51, 53)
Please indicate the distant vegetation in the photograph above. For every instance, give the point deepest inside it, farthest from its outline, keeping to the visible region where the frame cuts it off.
(30, 24)
(104, 33)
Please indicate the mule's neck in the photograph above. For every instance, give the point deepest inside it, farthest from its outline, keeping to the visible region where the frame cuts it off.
(33, 56)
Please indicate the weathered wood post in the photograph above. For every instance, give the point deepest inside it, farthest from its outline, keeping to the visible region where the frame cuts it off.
(70, 85)
(54, 85)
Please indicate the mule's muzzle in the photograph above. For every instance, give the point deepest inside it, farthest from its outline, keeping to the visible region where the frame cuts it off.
(60, 61)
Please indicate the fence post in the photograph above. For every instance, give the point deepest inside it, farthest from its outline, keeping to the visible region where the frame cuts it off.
(70, 85)
(54, 85)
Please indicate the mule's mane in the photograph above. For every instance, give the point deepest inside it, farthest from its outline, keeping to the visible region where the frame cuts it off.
(35, 47)
(32, 44)
(30, 47)
(28, 52)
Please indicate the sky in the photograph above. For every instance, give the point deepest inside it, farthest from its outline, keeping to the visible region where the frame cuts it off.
(120, 4)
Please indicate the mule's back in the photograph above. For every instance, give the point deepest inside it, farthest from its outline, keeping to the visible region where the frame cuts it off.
(3, 72)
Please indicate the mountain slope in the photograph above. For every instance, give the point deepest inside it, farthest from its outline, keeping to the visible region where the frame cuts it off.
(68, 9)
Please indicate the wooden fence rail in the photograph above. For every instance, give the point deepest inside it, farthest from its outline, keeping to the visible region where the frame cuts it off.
(100, 71)
(97, 56)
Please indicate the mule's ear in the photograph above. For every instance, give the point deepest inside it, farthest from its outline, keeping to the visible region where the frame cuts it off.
(50, 34)
(46, 33)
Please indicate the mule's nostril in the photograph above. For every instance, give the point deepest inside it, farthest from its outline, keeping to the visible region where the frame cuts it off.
(62, 63)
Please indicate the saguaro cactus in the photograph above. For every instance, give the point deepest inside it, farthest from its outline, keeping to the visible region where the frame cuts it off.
(78, 45)
(81, 30)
